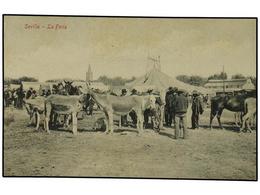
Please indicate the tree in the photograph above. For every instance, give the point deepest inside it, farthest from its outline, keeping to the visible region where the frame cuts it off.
(238, 76)
(116, 81)
(220, 76)
(8, 81)
(28, 79)
(192, 80)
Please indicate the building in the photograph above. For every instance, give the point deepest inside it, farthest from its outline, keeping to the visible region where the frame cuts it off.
(229, 85)
(89, 74)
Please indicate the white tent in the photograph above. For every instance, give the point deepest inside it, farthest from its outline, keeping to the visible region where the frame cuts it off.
(159, 81)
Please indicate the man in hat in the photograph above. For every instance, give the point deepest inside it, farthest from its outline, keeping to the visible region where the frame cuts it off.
(169, 110)
(167, 105)
(196, 108)
(29, 93)
(149, 91)
(124, 117)
(134, 92)
(20, 96)
(180, 106)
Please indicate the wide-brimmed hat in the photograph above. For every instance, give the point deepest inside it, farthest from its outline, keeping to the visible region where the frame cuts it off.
(134, 91)
(124, 91)
(149, 90)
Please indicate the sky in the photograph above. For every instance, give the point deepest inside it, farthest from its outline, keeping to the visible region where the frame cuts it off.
(120, 46)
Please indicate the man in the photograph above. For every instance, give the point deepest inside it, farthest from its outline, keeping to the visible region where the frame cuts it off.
(7, 97)
(196, 108)
(132, 114)
(20, 96)
(180, 106)
(29, 93)
(34, 94)
(43, 93)
(48, 93)
(169, 100)
(167, 106)
(124, 117)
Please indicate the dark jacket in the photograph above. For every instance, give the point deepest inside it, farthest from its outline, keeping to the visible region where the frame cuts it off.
(197, 107)
(180, 104)
(168, 98)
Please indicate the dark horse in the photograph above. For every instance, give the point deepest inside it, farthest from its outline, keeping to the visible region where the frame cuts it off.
(70, 89)
(231, 103)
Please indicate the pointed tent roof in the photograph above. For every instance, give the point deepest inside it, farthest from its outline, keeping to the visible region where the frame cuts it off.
(160, 81)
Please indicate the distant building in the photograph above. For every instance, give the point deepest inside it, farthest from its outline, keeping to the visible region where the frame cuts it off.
(229, 85)
(89, 74)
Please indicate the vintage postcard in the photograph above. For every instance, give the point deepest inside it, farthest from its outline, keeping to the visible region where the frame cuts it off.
(130, 97)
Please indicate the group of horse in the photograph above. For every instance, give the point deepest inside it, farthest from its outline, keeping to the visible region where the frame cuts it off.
(55, 105)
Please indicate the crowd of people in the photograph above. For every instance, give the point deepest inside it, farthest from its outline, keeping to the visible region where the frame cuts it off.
(175, 107)
(15, 97)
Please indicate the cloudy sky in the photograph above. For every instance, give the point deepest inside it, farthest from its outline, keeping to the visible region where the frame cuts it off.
(120, 46)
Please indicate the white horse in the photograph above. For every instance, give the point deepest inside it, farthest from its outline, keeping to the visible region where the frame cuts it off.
(122, 105)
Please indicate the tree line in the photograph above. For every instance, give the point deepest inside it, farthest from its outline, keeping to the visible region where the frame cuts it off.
(201, 81)
(119, 81)
(18, 81)
(115, 81)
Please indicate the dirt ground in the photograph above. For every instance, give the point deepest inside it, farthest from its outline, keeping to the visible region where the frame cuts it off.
(205, 154)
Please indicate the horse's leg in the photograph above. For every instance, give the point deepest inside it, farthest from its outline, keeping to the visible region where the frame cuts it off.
(111, 128)
(244, 122)
(161, 117)
(249, 122)
(248, 125)
(236, 116)
(212, 115)
(218, 117)
(47, 116)
(37, 114)
(140, 121)
(120, 122)
(107, 123)
(74, 122)
(31, 118)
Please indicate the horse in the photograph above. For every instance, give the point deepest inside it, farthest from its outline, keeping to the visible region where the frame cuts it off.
(66, 105)
(122, 105)
(231, 103)
(250, 112)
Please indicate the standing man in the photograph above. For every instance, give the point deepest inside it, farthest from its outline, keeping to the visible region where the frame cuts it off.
(196, 108)
(169, 99)
(167, 106)
(20, 96)
(29, 93)
(124, 117)
(180, 107)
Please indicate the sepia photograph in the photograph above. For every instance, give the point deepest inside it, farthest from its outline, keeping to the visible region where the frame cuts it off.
(130, 97)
